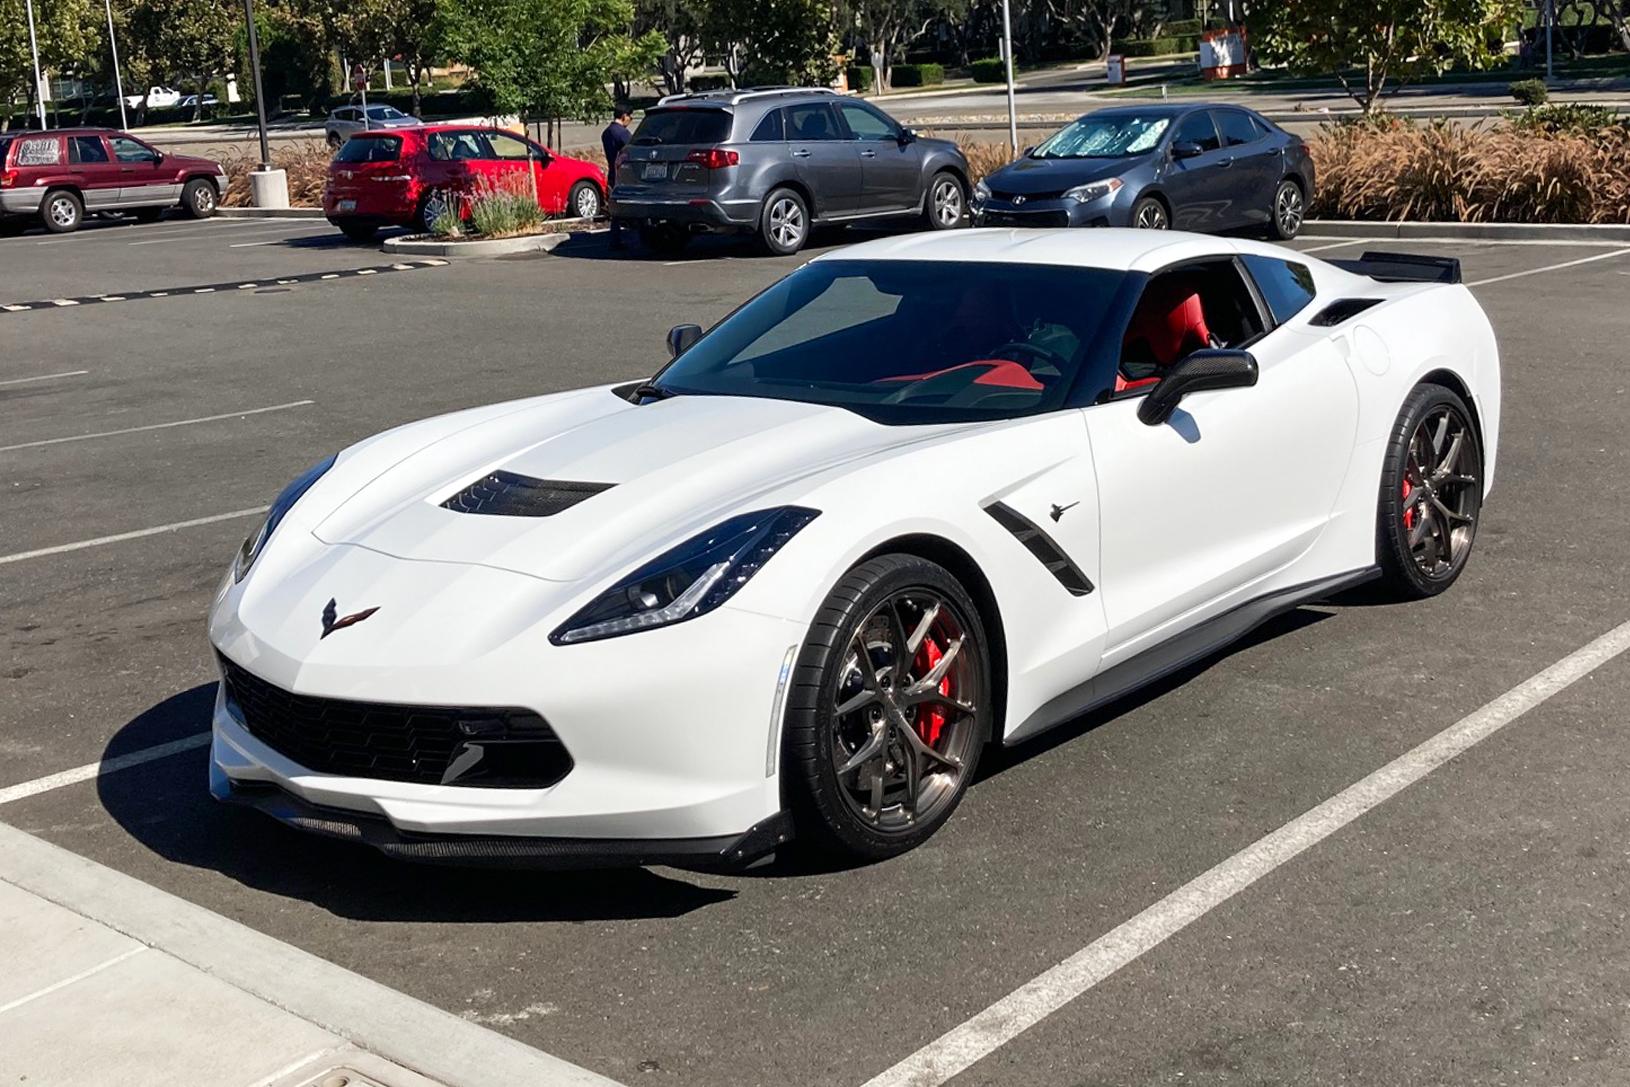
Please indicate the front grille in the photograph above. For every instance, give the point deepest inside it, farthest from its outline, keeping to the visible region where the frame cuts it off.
(1027, 219)
(1008, 196)
(484, 747)
(506, 494)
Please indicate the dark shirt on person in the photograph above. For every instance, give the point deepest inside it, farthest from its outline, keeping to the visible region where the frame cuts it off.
(612, 141)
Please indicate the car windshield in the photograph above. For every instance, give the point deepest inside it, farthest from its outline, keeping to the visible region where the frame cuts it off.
(683, 126)
(1102, 136)
(907, 341)
(385, 113)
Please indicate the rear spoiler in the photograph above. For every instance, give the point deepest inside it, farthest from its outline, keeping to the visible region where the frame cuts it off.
(1403, 267)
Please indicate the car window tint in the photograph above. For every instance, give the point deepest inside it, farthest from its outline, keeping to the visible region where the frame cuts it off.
(126, 149)
(38, 151)
(1197, 128)
(864, 124)
(456, 146)
(86, 149)
(501, 145)
(1285, 285)
(385, 113)
(370, 149)
(813, 121)
(770, 129)
(1261, 126)
(1236, 127)
(682, 125)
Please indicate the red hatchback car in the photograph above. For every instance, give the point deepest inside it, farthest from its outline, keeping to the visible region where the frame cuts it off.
(409, 177)
(56, 178)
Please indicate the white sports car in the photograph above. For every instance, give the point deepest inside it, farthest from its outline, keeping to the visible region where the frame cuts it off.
(922, 495)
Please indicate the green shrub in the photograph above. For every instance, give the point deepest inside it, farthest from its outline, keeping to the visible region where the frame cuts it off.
(1146, 47)
(1177, 28)
(1574, 117)
(917, 75)
(501, 208)
(989, 70)
(1530, 92)
(860, 79)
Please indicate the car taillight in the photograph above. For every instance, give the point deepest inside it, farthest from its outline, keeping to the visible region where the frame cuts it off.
(714, 158)
(8, 178)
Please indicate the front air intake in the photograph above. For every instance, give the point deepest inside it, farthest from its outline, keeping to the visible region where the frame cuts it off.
(1041, 545)
(505, 494)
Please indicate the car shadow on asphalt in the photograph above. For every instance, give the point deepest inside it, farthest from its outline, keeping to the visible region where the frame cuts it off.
(165, 805)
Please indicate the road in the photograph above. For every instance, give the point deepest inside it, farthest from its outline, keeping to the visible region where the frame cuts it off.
(1469, 930)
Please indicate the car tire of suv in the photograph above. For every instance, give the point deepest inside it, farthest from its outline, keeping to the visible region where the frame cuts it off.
(667, 241)
(783, 226)
(585, 200)
(61, 211)
(946, 207)
(198, 198)
(1288, 210)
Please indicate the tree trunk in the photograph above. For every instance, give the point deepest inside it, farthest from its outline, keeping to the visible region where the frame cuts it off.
(413, 74)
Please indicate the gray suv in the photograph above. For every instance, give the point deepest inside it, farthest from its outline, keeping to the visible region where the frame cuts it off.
(776, 161)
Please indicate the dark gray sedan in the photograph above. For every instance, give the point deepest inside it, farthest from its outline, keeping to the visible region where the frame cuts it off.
(1200, 167)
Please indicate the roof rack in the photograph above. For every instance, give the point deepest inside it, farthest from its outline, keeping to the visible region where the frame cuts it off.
(740, 94)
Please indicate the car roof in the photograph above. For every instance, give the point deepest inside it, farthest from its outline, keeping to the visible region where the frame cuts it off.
(1121, 249)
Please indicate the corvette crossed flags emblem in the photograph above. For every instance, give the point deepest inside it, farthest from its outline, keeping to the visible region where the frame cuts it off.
(332, 620)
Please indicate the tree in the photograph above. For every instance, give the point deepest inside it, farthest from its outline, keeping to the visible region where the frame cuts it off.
(186, 42)
(773, 41)
(1388, 41)
(69, 33)
(368, 31)
(683, 26)
(296, 56)
(884, 27)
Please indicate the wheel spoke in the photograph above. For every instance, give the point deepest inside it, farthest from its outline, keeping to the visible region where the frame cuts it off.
(856, 702)
(867, 751)
(922, 748)
(937, 673)
(932, 697)
(912, 769)
(1450, 517)
(915, 642)
(1424, 518)
(1451, 459)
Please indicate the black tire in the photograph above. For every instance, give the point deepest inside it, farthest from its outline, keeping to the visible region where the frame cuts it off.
(830, 804)
(359, 232)
(1288, 210)
(62, 211)
(199, 198)
(148, 215)
(585, 201)
(1150, 213)
(666, 241)
(945, 207)
(1431, 495)
(430, 209)
(783, 224)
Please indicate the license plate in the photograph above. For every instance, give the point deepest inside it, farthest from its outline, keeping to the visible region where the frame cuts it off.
(346, 205)
(655, 171)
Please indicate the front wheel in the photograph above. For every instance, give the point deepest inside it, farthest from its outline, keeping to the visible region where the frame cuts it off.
(585, 201)
(1288, 210)
(784, 224)
(1150, 214)
(62, 212)
(198, 198)
(1431, 495)
(947, 204)
(889, 709)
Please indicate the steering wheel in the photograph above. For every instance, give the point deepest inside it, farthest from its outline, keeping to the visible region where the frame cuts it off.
(1038, 354)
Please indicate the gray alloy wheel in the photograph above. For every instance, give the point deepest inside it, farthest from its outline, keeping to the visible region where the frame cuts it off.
(1431, 494)
(1289, 207)
(61, 212)
(585, 200)
(198, 198)
(1150, 214)
(785, 225)
(946, 202)
(436, 204)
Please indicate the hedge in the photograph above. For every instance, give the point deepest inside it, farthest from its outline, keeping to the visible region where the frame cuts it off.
(916, 75)
(860, 79)
(700, 83)
(1530, 92)
(1157, 47)
(1178, 28)
(989, 70)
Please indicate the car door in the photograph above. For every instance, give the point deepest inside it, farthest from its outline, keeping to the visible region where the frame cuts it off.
(143, 180)
(1257, 164)
(1237, 484)
(518, 158)
(827, 162)
(1198, 185)
(890, 166)
(98, 176)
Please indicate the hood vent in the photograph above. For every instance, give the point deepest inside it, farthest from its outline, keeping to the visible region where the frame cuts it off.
(505, 494)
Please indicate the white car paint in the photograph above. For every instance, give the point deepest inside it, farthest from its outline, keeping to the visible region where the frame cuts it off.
(675, 732)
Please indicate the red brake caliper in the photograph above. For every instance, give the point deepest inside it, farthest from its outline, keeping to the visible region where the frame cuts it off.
(1409, 511)
(931, 716)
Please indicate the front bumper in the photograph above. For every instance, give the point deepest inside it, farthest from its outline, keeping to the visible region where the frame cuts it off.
(1049, 212)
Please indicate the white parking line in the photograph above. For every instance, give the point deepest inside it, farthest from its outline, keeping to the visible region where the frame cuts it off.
(120, 537)
(978, 1037)
(1338, 245)
(13, 793)
(156, 426)
(1547, 268)
(43, 377)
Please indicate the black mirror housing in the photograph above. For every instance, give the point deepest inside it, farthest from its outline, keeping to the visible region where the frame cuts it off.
(1186, 149)
(681, 337)
(1208, 368)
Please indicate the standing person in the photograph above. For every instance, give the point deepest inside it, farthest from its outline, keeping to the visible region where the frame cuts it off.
(612, 141)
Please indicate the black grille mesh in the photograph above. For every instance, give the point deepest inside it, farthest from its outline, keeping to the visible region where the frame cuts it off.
(505, 494)
(491, 748)
(1027, 219)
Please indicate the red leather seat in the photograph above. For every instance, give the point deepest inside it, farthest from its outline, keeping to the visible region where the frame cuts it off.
(1169, 323)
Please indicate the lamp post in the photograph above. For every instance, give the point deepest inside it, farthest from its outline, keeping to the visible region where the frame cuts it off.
(260, 98)
(118, 83)
(34, 49)
(1007, 53)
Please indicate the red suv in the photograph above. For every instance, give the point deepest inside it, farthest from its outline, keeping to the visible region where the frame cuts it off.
(59, 177)
(409, 177)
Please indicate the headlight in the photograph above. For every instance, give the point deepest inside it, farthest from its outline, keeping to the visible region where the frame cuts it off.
(1097, 190)
(981, 191)
(250, 551)
(689, 580)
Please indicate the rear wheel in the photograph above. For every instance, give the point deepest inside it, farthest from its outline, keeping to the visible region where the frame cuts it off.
(1150, 214)
(783, 226)
(585, 201)
(61, 211)
(435, 205)
(947, 204)
(1288, 210)
(667, 241)
(1431, 495)
(889, 709)
(198, 198)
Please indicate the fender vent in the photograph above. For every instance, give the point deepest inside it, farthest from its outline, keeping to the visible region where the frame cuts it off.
(505, 494)
(1041, 545)
(1337, 312)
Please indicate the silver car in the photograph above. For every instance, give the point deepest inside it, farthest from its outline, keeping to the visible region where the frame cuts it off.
(347, 121)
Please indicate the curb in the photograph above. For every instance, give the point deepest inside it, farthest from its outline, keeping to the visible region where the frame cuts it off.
(480, 247)
(270, 213)
(1600, 233)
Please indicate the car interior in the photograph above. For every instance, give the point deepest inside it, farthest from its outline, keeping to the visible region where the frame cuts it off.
(1182, 310)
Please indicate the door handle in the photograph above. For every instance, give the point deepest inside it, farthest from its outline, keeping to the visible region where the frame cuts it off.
(868, 154)
(800, 153)
(1224, 163)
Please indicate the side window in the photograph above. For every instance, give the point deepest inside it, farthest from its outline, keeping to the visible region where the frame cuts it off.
(1197, 128)
(1285, 285)
(507, 147)
(866, 124)
(1261, 127)
(38, 151)
(1236, 127)
(455, 146)
(86, 149)
(126, 149)
(812, 121)
(1182, 310)
(771, 129)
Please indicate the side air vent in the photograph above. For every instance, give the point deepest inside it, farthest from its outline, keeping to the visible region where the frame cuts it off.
(1041, 545)
(505, 494)
(1337, 312)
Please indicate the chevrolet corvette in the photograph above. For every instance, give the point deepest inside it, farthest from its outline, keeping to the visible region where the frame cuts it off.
(923, 495)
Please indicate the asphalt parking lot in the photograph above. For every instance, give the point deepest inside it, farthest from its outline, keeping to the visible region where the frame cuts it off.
(1472, 929)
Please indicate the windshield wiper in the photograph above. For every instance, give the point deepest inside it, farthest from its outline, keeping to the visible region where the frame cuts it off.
(650, 390)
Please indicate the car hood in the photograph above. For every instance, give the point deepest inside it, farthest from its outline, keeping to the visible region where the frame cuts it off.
(193, 162)
(669, 468)
(1031, 176)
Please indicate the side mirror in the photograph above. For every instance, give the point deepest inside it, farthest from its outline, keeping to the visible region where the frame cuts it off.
(1186, 149)
(681, 337)
(1205, 369)
(158, 158)
(1026, 152)
(907, 136)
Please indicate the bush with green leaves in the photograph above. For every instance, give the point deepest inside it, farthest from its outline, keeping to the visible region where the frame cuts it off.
(860, 79)
(1147, 47)
(988, 70)
(1530, 92)
(1576, 117)
(917, 75)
